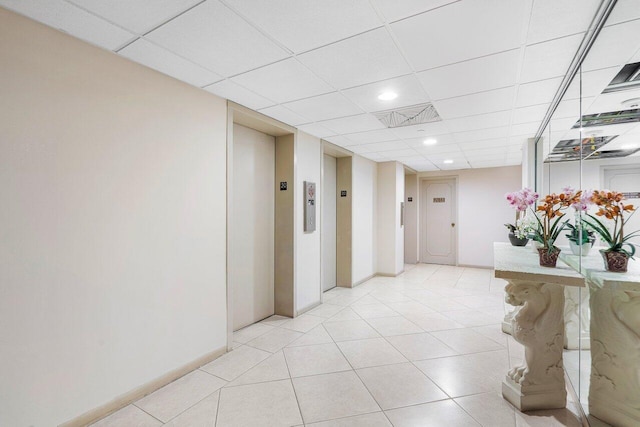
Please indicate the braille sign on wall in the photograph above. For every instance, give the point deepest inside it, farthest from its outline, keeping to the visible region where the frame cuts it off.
(343, 193)
(283, 186)
(438, 200)
(410, 199)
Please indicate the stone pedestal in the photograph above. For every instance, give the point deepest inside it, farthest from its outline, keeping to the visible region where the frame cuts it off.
(538, 325)
(614, 391)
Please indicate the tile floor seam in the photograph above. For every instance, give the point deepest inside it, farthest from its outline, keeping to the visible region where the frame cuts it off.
(295, 394)
(155, 418)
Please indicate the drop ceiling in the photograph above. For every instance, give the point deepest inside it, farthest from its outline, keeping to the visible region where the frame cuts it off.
(490, 68)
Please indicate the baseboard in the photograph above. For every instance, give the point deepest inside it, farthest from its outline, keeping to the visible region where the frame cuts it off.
(361, 281)
(475, 266)
(390, 274)
(126, 399)
(308, 308)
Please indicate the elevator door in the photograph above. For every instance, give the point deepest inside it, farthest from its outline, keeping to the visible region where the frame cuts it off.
(252, 242)
(329, 223)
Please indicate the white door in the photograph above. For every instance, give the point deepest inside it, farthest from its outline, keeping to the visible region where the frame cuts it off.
(438, 222)
(329, 194)
(626, 180)
(251, 247)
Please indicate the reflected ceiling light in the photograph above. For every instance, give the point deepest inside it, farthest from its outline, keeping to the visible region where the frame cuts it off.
(387, 96)
(629, 146)
(430, 141)
(448, 162)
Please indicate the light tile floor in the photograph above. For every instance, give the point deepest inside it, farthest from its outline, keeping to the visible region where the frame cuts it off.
(422, 349)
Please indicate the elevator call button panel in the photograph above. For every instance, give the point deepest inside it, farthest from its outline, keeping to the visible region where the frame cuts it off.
(309, 206)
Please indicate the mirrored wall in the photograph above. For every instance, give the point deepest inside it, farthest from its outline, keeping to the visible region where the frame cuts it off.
(590, 140)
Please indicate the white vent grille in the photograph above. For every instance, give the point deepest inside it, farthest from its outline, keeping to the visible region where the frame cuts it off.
(408, 116)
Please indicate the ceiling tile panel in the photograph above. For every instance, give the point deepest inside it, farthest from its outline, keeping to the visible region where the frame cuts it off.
(138, 16)
(236, 93)
(615, 45)
(304, 25)
(452, 33)
(441, 141)
(625, 10)
(73, 20)
(481, 121)
(529, 114)
(593, 82)
(393, 10)
(316, 129)
(285, 115)
(325, 107)
(283, 81)
(359, 60)
(387, 146)
(483, 145)
(439, 149)
(353, 124)
(155, 57)
(525, 129)
(478, 103)
(402, 154)
(424, 130)
(549, 59)
(213, 36)
(476, 75)
(408, 89)
(551, 19)
(340, 140)
(539, 92)
(373, 136)
(481, 134)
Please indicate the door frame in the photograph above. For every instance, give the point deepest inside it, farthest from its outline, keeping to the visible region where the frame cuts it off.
(422, 212)
(241, 115)
(337, 152)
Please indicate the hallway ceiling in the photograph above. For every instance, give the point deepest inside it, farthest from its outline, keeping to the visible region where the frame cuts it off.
(490, 67)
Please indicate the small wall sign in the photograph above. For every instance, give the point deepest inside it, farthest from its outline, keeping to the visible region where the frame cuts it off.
(283, 186)
(632, 195)
(410, 199)
(343, 193)
(438, 200)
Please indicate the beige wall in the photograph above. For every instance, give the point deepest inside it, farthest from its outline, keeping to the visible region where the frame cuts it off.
(482, 210)
(112, 261)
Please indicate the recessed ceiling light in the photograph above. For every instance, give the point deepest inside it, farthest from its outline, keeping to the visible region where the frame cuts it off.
(387, 96)
(430, 141)
(448, 162)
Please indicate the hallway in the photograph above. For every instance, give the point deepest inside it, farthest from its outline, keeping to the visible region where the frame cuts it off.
(421, 349)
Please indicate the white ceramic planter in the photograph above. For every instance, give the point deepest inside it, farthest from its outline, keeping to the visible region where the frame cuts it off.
(575, 248)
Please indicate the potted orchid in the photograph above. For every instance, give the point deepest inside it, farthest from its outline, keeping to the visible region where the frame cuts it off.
(551, 224)
(520, 229)
(581, 236)
(611, 206)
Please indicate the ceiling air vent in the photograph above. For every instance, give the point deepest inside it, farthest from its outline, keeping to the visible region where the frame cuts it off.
(407, 116)
(627, 78)
(610, 118)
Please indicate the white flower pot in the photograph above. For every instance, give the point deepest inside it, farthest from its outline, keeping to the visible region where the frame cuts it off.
(575, 248)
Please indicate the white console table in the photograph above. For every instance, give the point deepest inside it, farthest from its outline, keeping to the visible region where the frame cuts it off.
(538, 325)
(614, 390)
